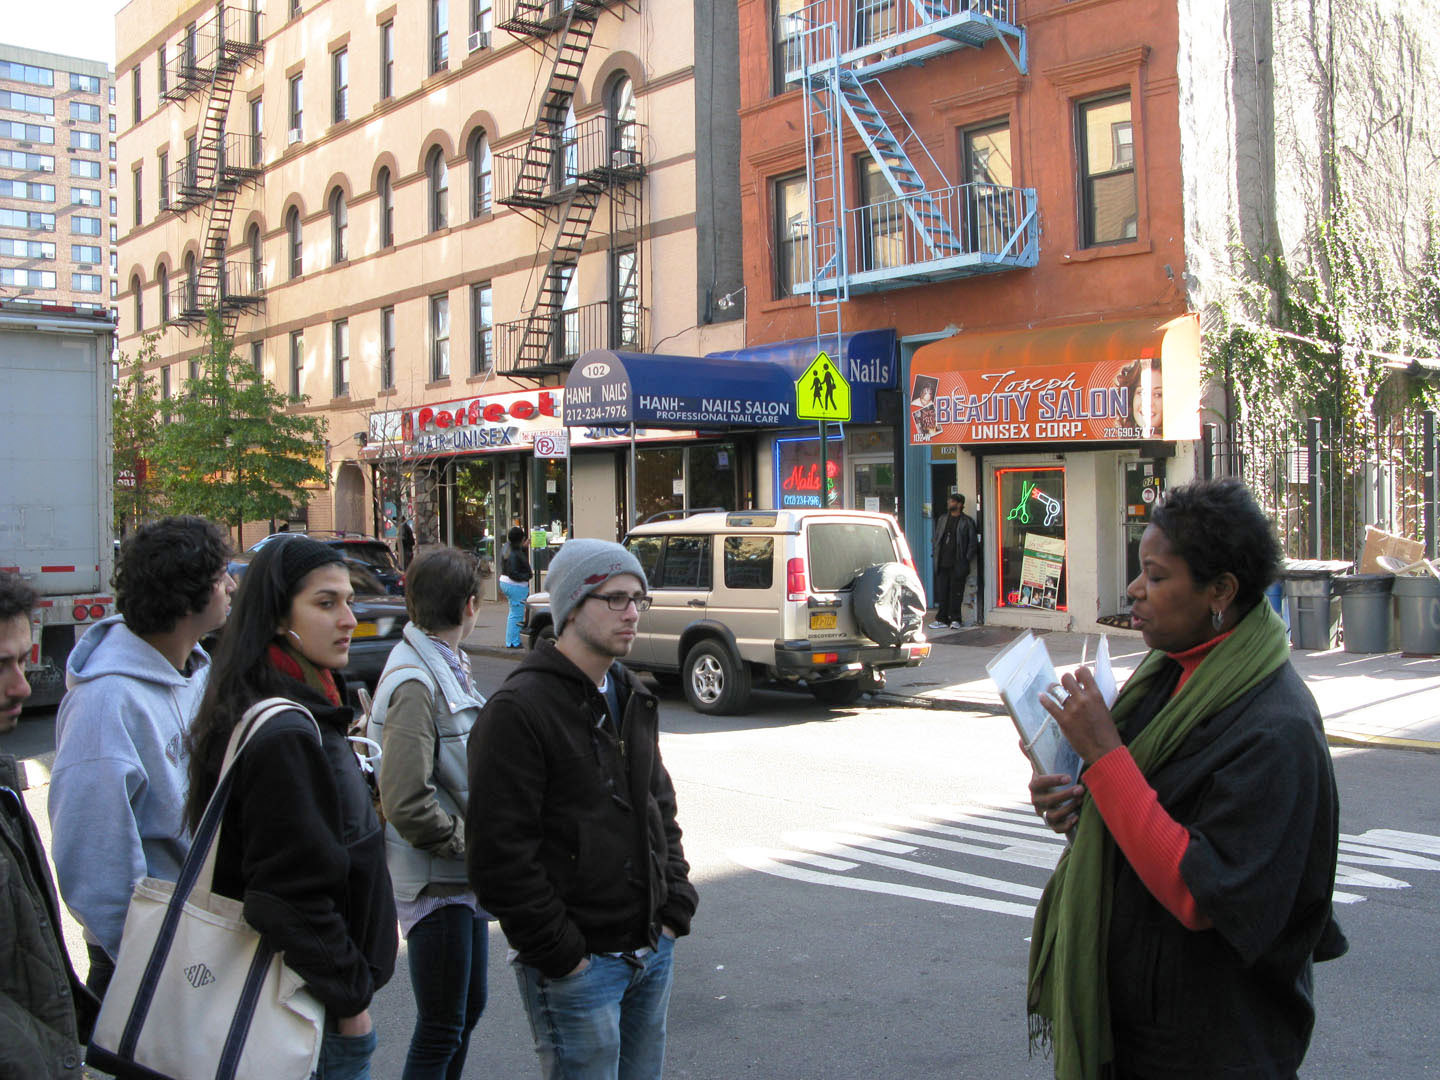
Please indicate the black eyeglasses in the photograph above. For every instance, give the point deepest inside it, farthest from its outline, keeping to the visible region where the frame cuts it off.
(619, 601)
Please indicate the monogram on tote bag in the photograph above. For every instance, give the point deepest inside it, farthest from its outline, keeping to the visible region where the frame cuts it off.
(196, 993)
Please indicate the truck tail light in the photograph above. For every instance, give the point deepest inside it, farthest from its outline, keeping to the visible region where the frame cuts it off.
(97, 611)
(795, 585)
(81, 613)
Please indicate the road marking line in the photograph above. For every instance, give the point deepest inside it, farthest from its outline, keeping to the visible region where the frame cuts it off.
(856, 848)
(1020, 852)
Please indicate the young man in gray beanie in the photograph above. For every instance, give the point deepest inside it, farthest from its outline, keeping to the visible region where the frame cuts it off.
(571, 837)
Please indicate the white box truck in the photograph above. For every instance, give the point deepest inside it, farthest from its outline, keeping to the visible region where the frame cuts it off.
(56, 496)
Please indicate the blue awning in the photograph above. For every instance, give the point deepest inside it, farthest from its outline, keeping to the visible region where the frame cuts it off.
(611, 389)
(869, 360)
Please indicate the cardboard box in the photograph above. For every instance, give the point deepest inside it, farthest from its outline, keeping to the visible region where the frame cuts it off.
(1378, 542)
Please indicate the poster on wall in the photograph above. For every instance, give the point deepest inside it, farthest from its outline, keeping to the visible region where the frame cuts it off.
(1041, 565)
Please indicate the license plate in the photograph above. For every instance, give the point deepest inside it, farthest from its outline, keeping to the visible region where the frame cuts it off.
(365, 629)
(824, 620)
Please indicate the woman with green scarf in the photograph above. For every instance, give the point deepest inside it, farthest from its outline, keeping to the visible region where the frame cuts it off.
(1177, 935)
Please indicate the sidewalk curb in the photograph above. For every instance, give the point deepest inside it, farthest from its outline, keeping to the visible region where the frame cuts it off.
(1381, 742)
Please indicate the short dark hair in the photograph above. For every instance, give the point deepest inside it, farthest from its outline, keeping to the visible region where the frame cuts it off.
(17, 597)
(1216, 526)
(516, 535)
(955, 496)
(166, 570)
(438, 583)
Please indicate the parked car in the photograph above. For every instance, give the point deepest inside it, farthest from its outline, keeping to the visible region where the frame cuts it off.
(777, 596)
(379, 611)
(357, 550)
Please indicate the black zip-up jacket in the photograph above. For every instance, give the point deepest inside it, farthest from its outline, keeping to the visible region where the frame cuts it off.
(301, 846)
(570, 835)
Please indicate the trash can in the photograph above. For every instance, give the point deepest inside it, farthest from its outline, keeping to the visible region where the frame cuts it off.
(1417, 602)
(1314, 606)
(1276, 595)
(1365, 611)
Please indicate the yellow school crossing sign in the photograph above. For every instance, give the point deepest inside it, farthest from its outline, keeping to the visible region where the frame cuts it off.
(822, 393)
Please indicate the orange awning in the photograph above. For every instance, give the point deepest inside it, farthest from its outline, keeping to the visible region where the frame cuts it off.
(1088, 382)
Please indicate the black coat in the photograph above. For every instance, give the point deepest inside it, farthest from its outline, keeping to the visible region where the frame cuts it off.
(570, 835)
(1255, 788)
(301, 846)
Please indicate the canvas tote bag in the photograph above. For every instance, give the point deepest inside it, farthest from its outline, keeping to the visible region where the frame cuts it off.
(196, 993)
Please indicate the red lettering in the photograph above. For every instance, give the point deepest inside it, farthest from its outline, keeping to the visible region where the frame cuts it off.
(493, 412)
(802, 478)
(442, 420)
(426, 417)
(547, 404)
(522, 409)
(460, 416)
(474, 413)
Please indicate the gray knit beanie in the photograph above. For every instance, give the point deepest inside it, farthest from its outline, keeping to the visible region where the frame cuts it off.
(582, 567)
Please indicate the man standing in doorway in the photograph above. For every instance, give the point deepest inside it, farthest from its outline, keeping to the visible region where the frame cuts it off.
(955, 543)
(571, 835)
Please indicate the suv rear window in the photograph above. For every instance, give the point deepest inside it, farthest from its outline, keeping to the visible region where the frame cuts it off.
(376, 556)
(749, 562)
(839, 551)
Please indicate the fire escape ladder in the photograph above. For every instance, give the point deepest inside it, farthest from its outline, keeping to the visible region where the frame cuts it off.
(537, 347)
(536, 179)
(900, 173)
(828, 261)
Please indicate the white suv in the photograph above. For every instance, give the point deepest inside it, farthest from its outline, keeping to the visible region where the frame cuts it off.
(785, 596)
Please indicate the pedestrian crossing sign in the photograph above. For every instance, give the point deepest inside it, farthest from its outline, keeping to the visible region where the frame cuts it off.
(822, 393)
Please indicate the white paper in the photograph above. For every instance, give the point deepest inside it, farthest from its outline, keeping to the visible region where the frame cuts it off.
(1022, 672)
(678, 487)
(1104, 673)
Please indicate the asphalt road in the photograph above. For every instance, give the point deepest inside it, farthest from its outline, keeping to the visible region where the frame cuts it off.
(866, 877)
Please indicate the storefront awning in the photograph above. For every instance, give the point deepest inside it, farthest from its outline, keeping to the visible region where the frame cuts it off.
(1137, 379)
(610, 389)
(868, 359)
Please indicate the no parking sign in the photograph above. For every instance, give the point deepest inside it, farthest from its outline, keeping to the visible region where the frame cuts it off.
(552, 444)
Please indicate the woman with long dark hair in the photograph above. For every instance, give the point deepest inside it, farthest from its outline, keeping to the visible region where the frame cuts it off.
(299, 843)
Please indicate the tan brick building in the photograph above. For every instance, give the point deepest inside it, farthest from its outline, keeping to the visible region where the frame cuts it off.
(418, 215)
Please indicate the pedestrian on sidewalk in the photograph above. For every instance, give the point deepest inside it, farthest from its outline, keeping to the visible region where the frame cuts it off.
(955, 544)
(299, 841)
(515, 574)
(425, 705)
(46, 1012)
(1177, 935)
(135, 681)
(571, 836)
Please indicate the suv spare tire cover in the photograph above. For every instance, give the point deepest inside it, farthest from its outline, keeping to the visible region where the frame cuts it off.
(889, 603)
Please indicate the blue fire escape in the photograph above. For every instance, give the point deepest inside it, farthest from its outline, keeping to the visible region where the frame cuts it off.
(928, 229)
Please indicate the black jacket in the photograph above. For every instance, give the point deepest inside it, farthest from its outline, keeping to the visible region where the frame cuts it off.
(45, 1011)
(301, 846)
(571, 838)
(515, 565)
(1254, 787)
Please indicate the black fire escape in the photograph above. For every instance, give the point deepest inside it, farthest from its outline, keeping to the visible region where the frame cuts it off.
(562, 176)
(217, 165)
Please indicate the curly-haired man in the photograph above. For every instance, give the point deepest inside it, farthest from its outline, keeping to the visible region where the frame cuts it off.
(134, 683)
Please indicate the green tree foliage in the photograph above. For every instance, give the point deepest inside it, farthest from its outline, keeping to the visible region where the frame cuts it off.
(231, 451)
(135, 425)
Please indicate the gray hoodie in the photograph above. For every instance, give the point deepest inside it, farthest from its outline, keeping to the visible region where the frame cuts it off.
(117, 789)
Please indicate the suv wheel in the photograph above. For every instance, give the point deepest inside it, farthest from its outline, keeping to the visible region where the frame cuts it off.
(838, 692)
(545, 633)
(715, 681)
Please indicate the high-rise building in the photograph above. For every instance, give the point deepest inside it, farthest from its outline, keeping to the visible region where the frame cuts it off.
(415, 218)
(57, 178)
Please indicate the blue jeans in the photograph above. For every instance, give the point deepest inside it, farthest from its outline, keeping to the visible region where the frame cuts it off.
(449, 949)
(516, 594)
(346, 1057)
(607, 1022)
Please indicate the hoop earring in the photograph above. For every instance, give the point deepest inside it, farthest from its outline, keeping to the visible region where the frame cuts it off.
(1216, 618)
(301, 645)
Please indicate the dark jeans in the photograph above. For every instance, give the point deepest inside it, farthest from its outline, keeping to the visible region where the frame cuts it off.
(449, 951)
(950, 591)
(102, 970)
(346, 1057)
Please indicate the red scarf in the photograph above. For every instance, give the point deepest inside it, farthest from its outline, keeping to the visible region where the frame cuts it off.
(290, 663)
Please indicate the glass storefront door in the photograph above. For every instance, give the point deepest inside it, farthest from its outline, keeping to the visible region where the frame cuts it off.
(1030, 508)
(473, 507)
(1144, 488)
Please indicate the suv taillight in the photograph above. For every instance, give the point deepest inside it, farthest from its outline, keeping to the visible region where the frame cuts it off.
(795, 584)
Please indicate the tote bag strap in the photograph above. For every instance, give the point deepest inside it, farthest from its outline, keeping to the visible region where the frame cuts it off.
(199, 865)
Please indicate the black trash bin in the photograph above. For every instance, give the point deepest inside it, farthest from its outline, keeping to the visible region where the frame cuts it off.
(1314, 605)
(1365, 611)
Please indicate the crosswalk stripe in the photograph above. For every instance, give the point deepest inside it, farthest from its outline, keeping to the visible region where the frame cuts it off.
(855, 847)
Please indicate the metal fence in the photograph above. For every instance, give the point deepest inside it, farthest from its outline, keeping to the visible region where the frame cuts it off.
(1323, 482)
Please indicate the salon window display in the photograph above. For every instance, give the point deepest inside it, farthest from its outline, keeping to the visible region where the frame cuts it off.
(1030, 504)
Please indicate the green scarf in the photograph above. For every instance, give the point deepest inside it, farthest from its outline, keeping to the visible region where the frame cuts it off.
(1068, 1000)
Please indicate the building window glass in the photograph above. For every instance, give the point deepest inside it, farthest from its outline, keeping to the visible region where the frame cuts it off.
(387, 60)
(1030, 505)
(340, 76)
(297, 108)
(87, 283)
(257, 136)
(165, 386)
(625, 299)
(482, 321)
(14, 129)
(89, 114)
(785, 51)
(386, 191)
(880, 219)
(1110, 207)
(439, 337)
(29, 219)
(341, 338)
(792, 234)
(19, 159)
(27, 103)
(162, 76)
(387, 348)
(480, 174)
(135, 95)
(254, 243)
(481, 23)
(139, 296)
(257, 357)
(297, 361)
(30, 249)
(137, 191)
(162, 283)
(439, 180)
(90, 170)
(192, 284)
(89, 196)
(85, 140)
(297, 242)
(439, 35)
(991, 210)
(23, 189)
(86, 253)
(620, 108)
(84, 84)
(85, 226)
(164, 181)
(339, 226)
(18, 72)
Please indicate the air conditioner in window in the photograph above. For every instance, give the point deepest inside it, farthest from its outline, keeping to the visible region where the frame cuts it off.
(293, 137)
(624, 158)
(480, 39)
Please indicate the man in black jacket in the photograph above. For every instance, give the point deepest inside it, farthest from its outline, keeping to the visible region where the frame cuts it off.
(45, 1011)
(571, 837)
(955, 544)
